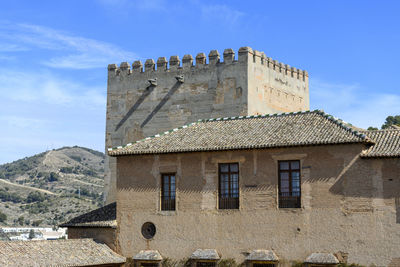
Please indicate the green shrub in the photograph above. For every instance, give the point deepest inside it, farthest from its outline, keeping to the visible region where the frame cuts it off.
(3, 217)
(66, 169)
(53, 177)
(35, 197)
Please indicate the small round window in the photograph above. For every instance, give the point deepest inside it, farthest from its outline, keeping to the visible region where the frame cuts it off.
(148, 230)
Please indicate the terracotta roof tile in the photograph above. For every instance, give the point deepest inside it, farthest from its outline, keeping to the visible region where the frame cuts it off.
(277, 130)
(102, 217)
(71, 252)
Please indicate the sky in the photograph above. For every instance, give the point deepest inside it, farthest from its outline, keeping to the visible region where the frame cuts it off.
(54, 57)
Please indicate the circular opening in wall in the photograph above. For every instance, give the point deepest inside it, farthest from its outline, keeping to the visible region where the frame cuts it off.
(148, 230)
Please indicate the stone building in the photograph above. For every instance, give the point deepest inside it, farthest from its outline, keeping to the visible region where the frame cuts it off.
(145, 101)
(263, 190)
(99, 225)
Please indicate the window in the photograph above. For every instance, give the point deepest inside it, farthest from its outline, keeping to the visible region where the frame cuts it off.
(149, 264)
(289, 184)
(228, 186)
(168, 191)
(205, 264)
(263, 265)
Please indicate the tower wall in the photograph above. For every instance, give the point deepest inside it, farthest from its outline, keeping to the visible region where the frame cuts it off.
(161, 95)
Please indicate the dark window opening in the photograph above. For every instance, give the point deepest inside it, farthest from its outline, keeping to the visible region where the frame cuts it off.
(289, 184)
(228, 186)
(205, 264)
(168, 191)
(263, 265)
(149, 264)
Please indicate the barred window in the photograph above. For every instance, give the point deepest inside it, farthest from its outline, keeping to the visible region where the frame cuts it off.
(168, 191)
(289, 184)
(228, 186)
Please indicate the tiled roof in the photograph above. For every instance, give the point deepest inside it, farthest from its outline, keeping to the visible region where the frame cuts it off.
(246, 132)
(262, 255)
(148, 255)
(205, 254)
(387, 143)
(102, 217)
(71, 252)
(322, 258)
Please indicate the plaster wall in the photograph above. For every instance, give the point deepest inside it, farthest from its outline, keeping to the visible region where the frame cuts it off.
(349, 205)
(248, 84)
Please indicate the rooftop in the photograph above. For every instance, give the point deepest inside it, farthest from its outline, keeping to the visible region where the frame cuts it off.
(387, 143)
(102, 217)
(247, 132)
(71, 252)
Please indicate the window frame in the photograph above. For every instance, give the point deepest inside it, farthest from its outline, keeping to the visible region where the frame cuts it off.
(230, 202)
(296, 199)
(168, 203)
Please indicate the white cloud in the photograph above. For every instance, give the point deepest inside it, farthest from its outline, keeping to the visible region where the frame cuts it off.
(20, 122)
(76, 52)
(45, 87)
(354, 103)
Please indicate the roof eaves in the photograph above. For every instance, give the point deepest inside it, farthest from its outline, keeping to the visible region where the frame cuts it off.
(115, 151)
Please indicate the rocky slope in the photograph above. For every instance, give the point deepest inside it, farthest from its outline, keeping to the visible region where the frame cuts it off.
(51, 187)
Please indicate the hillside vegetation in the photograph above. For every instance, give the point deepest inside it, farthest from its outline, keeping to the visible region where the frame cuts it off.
(51, 187)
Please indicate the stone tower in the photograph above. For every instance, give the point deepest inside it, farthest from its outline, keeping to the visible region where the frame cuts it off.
(166, 94)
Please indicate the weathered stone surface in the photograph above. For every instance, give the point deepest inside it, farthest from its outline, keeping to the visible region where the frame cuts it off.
(205, 254)
(343, 197)
(262, 255)
(246, 87)
(322, 258)
(148, 255)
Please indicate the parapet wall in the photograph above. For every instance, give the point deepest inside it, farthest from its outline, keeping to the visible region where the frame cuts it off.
(214, 58)
(146, 99)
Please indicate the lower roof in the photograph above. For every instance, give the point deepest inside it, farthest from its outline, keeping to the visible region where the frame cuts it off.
(387, 143)
(102, 217)
(70, 252)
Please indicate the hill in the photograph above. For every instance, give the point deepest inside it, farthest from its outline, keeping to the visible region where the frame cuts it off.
(51, 187)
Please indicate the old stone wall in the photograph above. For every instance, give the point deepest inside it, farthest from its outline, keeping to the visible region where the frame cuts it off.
(102, 234)
(349, 205)
(162, 95)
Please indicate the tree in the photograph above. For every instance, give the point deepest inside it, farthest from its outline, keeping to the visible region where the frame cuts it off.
(34, 196)
(370, 128)
(391, 120)
(31, 234)
(21, 220)
(3, 217)
(53, 177)
(37, 222)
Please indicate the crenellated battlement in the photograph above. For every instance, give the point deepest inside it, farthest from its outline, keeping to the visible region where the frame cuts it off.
(245, 55)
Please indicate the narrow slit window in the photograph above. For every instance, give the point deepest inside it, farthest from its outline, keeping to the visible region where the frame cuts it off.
(168, 191)
(289, 184)
(228, 186)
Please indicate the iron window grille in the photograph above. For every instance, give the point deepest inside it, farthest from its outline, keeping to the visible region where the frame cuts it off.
(168, 191)
(228, 191)
(289, 184)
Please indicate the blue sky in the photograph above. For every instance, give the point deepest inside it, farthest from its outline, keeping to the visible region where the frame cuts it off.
(54, 54)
